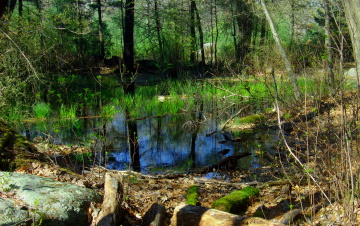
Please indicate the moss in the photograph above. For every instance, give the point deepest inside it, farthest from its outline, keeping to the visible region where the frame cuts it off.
(251, 119)
(192, 195)
(15, 149)
(237, 201)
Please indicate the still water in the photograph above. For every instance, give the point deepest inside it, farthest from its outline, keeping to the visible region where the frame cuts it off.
(163, 143)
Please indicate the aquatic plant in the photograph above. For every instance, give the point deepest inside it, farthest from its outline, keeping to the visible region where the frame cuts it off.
(68, 113)
(41, 110)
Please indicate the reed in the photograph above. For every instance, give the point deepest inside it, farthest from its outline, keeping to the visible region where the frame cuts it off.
(41, 110)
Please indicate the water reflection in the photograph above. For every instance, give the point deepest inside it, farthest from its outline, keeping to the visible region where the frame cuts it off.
(163, 144)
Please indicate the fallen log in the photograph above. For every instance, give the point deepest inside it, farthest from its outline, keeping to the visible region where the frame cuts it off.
(236, 201)
(222, 163)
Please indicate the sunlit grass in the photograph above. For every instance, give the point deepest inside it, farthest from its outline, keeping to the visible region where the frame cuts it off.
(41, 110)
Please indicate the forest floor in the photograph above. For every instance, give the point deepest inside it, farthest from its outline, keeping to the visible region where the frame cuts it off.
(284, 184)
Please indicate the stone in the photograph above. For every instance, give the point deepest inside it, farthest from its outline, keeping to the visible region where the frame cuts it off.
(56, 202)
(189, 215)
(12, 215)
(155, 216)
(350, 73)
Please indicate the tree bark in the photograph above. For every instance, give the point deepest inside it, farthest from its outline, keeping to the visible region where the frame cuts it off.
(329, 58)
(111, 213)
(282, 51)
(128, 53)
(101, 32)
(158, 30)
(192, 32)
(201, 36)
(129, 36)
(244, 24)
(352, 9)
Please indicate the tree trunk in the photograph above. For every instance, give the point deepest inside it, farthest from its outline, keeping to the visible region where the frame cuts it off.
(101, 32)
(244, 24)
(20, 7)
(282, 51)
(129, 36)
(352, 9)
(329, 59)
(128, 53)
(158, 30)
(201, 36)
(192, 32)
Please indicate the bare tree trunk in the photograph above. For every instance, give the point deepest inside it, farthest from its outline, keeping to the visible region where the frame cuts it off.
(158, 30)
(201, 35)
(245, 24)
(129, 36)
(329, 59)
(282, 51)
(352, 9)
(101, 32)
(128, 53)
(192, 32)
(20, 7)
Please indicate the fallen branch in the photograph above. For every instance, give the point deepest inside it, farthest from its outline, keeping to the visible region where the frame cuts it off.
(222, 163)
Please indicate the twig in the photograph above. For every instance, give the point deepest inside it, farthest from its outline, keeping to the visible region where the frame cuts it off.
(27, 60)
(306, 169)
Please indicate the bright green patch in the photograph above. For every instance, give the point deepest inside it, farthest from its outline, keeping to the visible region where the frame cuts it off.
(192, 195)
(237, 201)
(41, 110)
(250, 119)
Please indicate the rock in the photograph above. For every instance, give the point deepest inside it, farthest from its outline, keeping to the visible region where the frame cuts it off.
(350, 73)
(155, 216)
(57, 203)
(16, 150)
(189, 215)
(10, 215)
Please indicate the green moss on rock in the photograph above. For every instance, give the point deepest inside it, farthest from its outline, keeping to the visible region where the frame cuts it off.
(15, 149)
(192, 195)
(235, 202)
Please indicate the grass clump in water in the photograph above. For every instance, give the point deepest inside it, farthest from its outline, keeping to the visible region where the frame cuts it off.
(41, 110)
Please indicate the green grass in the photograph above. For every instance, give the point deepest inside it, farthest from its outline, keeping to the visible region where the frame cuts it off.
(68, 113)
(41, 110)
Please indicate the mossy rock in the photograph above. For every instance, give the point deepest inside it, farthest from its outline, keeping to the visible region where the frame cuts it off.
(192, 195)
(15, 149)
(237, 201)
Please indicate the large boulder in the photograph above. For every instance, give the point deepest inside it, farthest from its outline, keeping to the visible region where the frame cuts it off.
(57, 203)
